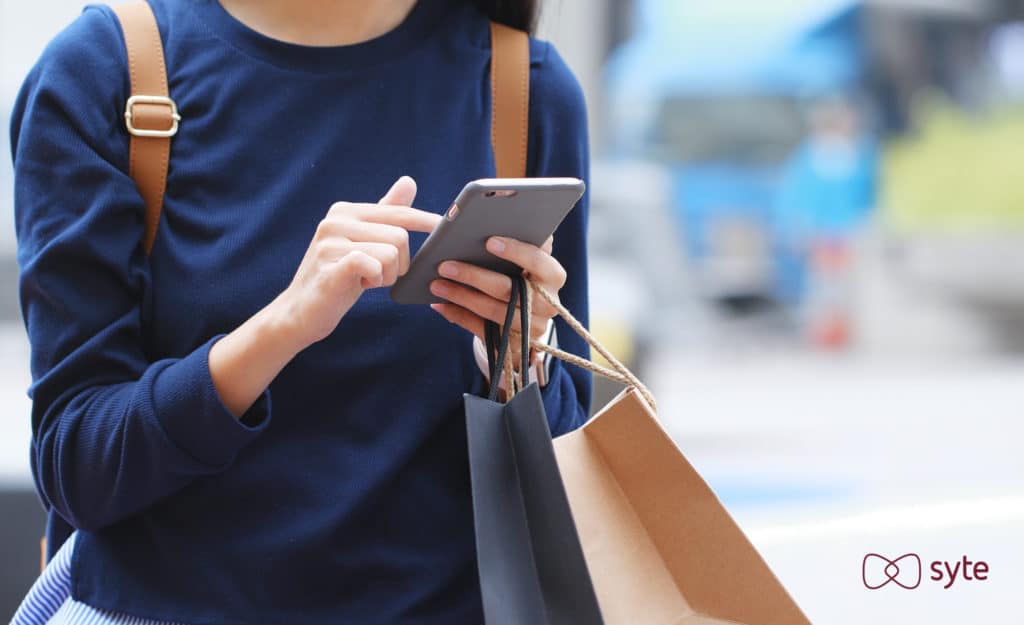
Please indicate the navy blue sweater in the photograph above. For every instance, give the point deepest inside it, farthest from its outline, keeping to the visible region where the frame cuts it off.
(342, 495)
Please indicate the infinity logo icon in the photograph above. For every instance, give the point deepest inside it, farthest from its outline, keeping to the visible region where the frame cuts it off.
(877, 571)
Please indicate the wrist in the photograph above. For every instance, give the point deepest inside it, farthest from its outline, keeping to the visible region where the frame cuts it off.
(278, 325)
(243, 362)
(540, 362)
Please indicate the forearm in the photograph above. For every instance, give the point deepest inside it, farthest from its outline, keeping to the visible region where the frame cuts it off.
(244, 362)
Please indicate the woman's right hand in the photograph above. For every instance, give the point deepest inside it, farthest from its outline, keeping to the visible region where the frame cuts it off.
(355, 247)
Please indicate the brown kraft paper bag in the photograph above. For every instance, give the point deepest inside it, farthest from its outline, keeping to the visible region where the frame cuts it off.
(660, 547)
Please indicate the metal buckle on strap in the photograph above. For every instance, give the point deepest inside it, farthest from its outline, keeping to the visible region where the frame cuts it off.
(151, 99)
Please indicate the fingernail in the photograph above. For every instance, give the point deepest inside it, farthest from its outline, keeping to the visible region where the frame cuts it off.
(439, 288)
(448, 269)
(496, 244)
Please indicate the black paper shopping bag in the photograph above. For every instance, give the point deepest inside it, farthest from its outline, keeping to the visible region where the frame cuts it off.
(531, 565)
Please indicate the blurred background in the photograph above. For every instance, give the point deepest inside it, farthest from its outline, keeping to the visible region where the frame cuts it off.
(807, 236)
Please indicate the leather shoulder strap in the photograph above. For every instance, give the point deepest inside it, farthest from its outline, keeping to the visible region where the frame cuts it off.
(510, 99)
(151, 117)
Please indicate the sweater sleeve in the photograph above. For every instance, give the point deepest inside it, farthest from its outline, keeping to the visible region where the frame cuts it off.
(560, 147)
(112, 431)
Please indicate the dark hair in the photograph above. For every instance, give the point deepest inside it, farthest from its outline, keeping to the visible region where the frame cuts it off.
(521, 14)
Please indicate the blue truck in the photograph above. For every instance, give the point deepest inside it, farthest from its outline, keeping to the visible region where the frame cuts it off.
(754, 110)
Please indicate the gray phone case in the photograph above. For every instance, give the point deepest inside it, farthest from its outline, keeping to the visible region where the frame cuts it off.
(527, 209)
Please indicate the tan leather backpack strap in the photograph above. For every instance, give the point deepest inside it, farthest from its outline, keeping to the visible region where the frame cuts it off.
(510, 118)
(510, 99)
(150, 115)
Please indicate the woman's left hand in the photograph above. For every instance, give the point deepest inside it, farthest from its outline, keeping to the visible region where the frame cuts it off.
(475, 294)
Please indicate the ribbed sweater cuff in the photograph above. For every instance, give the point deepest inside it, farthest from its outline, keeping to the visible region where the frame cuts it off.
(192, 413)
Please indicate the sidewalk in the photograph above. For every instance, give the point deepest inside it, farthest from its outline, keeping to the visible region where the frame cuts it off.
(823, 460)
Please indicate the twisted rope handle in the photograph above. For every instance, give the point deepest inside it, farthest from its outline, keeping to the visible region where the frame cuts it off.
(509, 371)
(618, 372)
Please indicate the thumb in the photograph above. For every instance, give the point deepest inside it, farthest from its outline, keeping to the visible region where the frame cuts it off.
(402, 193)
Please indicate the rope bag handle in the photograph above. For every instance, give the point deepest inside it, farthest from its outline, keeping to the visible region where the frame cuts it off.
(618, 371)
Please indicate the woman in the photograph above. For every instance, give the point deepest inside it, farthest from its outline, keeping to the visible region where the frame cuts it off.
(242, 426)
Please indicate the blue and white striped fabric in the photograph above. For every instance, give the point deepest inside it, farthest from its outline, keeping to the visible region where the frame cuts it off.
(49, 600)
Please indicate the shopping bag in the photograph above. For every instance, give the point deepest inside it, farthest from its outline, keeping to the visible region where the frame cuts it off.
(660, 548)
(531, 566)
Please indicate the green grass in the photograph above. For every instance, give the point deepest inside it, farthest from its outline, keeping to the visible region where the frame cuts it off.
(958, 173)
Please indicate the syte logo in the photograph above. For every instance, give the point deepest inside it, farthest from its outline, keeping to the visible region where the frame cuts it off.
(906, 571)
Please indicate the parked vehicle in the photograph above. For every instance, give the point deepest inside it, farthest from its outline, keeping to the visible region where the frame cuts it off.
(754, 113)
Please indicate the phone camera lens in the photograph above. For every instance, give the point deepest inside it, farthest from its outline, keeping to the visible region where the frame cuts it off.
(500, 193)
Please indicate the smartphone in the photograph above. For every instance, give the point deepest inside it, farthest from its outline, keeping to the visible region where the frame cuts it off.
(527, 209)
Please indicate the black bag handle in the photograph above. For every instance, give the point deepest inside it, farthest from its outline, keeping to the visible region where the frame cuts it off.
(497, 338)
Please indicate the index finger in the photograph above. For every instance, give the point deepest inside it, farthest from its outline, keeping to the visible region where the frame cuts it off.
(406, 217)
